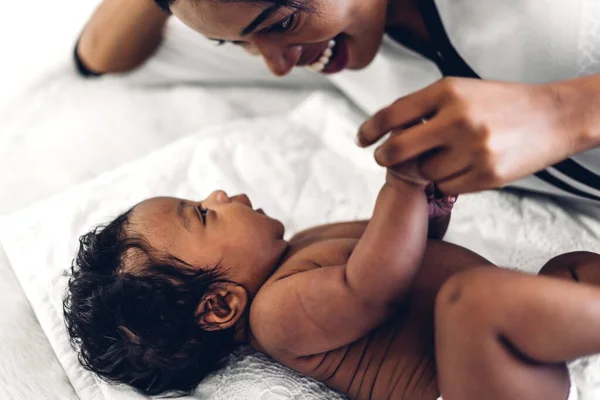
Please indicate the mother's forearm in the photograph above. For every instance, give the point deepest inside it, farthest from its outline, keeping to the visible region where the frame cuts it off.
(577, 104)
(121, 35)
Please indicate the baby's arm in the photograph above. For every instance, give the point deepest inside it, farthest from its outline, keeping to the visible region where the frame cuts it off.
(341, 230)
(121, 35)
(439, 208)
(322, 309)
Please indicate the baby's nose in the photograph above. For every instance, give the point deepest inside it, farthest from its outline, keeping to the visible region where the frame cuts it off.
(221, 196)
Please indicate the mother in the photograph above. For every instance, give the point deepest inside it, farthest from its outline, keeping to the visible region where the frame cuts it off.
(533, 113)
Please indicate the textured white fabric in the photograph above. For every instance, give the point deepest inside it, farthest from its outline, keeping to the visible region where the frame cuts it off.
(28, 367)
(589, 36)
(302, 168)
(533, 41)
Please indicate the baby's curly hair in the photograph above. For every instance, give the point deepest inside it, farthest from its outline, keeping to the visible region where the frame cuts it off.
(141, 328)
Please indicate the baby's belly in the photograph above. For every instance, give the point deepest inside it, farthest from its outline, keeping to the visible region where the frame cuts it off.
(396, 361)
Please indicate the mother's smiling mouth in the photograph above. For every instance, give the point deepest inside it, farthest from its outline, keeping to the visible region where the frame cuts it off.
(319, 63)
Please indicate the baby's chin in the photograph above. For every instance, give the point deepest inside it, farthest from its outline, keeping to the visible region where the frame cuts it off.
(280, 229)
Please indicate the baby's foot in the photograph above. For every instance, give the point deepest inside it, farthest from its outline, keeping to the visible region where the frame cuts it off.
(439, 204)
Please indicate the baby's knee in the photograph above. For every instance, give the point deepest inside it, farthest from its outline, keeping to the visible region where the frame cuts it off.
(466, 297)
(571, 265)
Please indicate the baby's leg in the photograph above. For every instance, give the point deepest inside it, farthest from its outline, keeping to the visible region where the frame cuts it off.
(504, 335)
(581, 266)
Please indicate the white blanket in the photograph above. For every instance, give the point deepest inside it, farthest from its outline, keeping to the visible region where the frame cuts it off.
(301, 167)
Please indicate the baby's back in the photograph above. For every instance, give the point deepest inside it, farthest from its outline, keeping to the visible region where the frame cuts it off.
(396, 360)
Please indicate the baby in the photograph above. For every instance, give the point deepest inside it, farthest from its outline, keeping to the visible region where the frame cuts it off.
(163, 293)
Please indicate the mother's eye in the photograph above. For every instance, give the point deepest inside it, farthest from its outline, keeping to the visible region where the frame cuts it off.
(284, 25)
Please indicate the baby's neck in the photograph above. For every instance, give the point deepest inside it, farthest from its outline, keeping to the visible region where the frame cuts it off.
(242, 329)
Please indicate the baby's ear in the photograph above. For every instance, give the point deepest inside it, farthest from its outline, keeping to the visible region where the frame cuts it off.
(222, 308)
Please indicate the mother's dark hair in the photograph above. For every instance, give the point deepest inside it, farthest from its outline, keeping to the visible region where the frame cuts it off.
(139, 326)
(296, 4)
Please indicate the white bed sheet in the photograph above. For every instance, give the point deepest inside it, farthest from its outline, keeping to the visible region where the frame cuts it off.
(304, 169)
(29, 368)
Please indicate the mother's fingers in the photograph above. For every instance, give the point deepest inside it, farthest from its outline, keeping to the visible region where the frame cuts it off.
(444, 164)
(405, 145)
(467, 181)
(402, 113)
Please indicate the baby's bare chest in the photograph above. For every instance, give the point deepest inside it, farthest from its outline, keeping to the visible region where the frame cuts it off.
(396, 360)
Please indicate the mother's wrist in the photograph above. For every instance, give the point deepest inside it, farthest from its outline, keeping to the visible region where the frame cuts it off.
(576, 103)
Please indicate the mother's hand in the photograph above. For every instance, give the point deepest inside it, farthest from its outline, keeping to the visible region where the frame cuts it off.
(478, 135)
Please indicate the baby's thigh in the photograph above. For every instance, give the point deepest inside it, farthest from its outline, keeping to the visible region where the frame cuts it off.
(479, 353)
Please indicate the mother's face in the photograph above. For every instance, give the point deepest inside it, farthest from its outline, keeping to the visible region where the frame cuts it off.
(324, 35)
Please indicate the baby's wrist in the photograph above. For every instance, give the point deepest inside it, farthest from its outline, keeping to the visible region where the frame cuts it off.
(393, 176)
(408, 172)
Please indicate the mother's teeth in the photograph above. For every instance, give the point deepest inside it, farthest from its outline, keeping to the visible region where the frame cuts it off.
(318, 66)
(324, 59)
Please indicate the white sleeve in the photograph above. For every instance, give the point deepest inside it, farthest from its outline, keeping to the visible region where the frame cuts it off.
(588, 49)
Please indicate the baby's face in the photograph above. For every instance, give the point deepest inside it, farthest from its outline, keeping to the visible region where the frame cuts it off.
(217, 231)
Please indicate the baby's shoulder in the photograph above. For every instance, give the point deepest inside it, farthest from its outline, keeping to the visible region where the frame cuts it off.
(276, 302)
(304, 257)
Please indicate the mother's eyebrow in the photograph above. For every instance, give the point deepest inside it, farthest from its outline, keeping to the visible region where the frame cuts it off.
(184, 219)
(262, 17)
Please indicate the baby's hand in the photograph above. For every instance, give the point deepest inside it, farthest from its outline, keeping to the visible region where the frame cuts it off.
(439, 204)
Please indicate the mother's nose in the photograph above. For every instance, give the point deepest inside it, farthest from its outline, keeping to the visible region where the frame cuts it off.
(279, 58)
